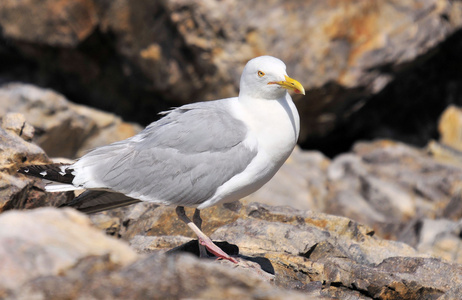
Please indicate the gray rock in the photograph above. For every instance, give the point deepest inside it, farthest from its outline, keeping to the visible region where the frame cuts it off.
(63, 129)
(54, 254)
(437, 237)
(346, 259)
(48, 241)
(16, 123)
(301, 182)
(386, 184)
(17, 191)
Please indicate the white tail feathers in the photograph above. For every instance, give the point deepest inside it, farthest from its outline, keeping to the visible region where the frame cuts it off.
(61, 187)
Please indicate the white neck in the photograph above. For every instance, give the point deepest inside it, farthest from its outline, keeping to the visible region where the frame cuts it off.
(276, 124)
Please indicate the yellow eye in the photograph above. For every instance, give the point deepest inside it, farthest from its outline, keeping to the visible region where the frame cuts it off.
(261, 74)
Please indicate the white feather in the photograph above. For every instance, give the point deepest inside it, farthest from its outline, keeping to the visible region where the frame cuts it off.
(61, 187)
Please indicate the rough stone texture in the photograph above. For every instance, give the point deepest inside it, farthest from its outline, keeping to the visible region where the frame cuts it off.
(48, 241)
(16, 123)
(62, 128)
(157, 277)
(301, 182)
(334, 256)
(55, 254)
(402, 192)
(357, 59)
(54, 23)
(17, 191)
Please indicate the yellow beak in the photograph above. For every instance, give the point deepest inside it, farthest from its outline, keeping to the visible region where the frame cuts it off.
(290, 84)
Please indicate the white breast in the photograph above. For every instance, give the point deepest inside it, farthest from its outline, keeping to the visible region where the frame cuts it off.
(274, 127)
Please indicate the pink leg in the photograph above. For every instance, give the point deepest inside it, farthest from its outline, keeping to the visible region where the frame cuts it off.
(198, 221)
(203, 239)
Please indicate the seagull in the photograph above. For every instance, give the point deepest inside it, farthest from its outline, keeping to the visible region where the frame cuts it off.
(196, 155)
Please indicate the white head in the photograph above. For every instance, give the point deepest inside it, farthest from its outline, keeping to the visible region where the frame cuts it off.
(265, 77)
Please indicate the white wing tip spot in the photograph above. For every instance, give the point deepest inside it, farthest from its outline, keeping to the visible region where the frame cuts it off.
(63, 170)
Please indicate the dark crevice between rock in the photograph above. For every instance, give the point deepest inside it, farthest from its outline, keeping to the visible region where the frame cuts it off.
(308, 253)
(408, 108)
(322, 250)
(32, 196)
(91, 74)
(353, 287)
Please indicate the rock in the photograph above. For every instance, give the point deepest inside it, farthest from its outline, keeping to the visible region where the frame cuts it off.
(62, 128)
(16, 123)
(17, 191)
(403, 193)
(308, 251)
(158, 277)
(390, 181)
(292, 231)
(450, 127)
(57, 24)
(150, 244)
(153, 220)
(342, 254)
(444, 154)
(50, 253)
(439, 238)
(301, 182)
(47, 242)
(139, 58)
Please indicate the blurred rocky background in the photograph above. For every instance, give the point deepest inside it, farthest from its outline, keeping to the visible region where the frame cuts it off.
(368, 207)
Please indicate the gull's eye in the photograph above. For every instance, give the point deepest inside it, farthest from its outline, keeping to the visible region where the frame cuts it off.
(261, 74)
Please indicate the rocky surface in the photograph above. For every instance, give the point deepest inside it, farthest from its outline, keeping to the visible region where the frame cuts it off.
(48, 241)
(62, 128)
(283, 252)
(138, 58)
(403, 193)
(303, 247)
(449, 128)
(31, 116)
(56, 254)
(16, 150)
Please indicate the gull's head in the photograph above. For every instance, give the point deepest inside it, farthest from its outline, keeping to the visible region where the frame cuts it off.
(265, 77)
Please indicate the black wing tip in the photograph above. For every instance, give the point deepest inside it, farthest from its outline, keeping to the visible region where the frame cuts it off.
(51, 172)
(32, 170)
(24, 170)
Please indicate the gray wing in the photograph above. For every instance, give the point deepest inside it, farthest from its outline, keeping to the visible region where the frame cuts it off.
(181, 159)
